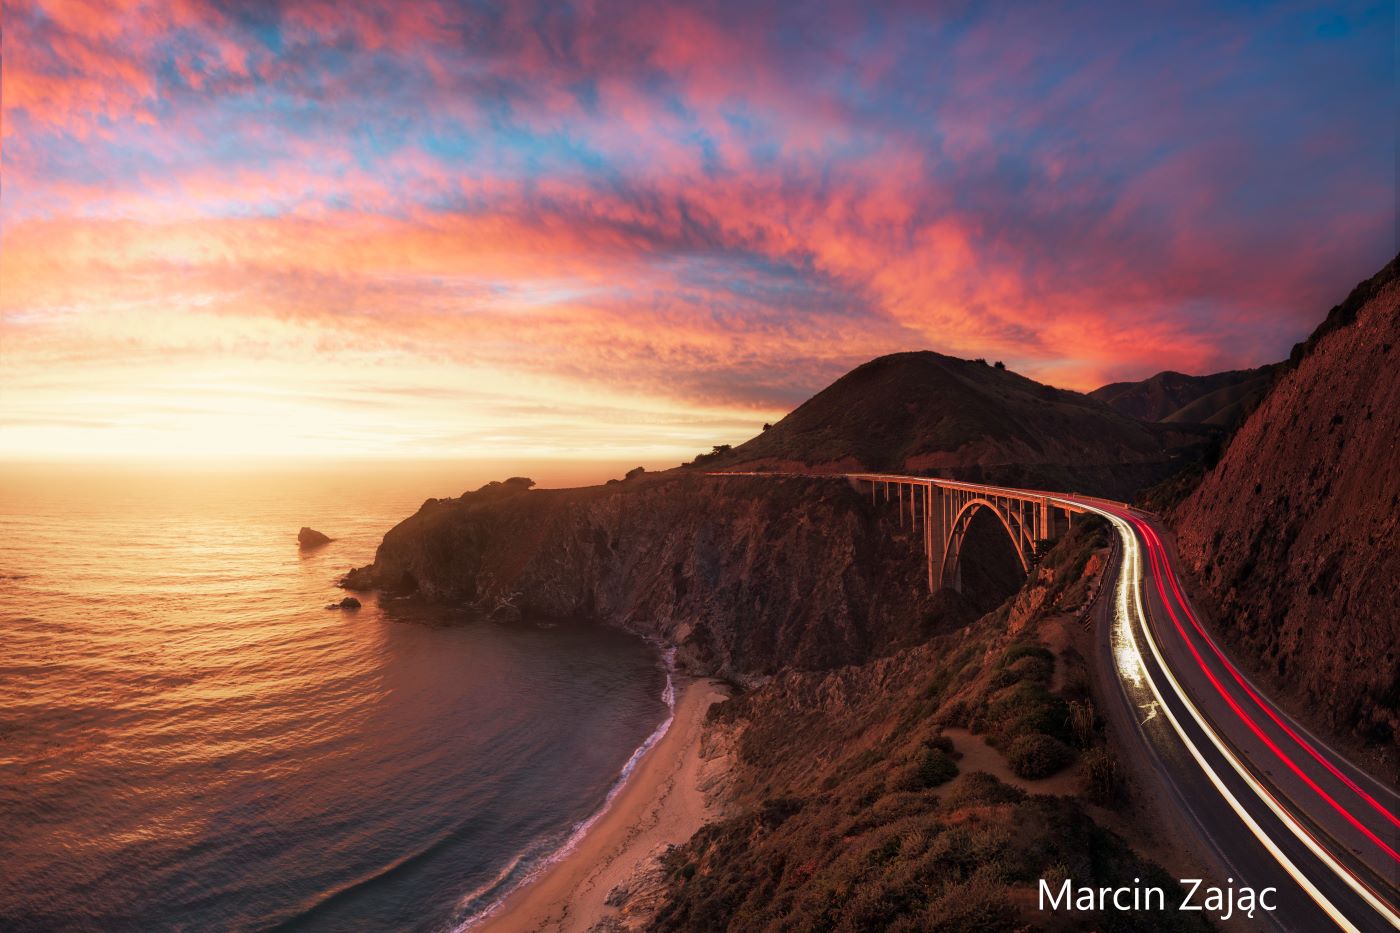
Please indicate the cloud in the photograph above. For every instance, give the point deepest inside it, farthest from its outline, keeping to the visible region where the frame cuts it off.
(716, 204)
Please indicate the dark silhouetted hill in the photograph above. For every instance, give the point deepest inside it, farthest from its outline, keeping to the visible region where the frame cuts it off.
(1220, 399)
(923, 412)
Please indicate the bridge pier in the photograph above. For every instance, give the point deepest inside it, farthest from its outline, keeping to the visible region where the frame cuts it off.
(943, 511)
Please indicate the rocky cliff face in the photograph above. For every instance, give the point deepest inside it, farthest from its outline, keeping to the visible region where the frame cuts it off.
(1295, 534)
(744, 575)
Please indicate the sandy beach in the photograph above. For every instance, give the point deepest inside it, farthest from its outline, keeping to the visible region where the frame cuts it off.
(662, 805)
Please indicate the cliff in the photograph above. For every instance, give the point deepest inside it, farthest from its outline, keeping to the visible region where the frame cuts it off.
(1295, 534)
(744, 575)
(965, 419)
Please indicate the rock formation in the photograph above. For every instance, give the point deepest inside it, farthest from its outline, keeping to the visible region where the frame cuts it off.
(310, 538)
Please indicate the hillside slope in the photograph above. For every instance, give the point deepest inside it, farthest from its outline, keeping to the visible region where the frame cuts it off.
(1220, 399)
(927, 413)
(1295, 534)
(896, 795)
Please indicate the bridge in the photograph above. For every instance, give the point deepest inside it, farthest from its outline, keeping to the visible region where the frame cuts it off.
(943, 510)
(1265, 798)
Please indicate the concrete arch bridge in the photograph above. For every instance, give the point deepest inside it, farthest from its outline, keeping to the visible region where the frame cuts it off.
(943, 510)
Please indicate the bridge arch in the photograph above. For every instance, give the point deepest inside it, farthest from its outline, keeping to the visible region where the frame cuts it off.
(950, 571)
(940, 511)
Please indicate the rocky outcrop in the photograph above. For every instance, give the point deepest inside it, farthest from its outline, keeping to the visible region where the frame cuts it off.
(1295, 534)
(310, 538)
(744, 575)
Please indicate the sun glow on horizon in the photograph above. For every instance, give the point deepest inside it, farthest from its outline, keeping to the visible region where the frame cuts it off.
(433, 230)
(406, 410)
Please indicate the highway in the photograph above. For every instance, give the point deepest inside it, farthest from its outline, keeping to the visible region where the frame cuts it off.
(1269, 804)
(1273, 804)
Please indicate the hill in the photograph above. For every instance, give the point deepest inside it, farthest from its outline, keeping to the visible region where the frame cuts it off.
(923, 412)
(1295, 534)
(1220, 399)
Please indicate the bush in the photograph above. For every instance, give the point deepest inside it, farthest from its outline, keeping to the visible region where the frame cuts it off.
(1026, 650)
(1025, 709)
(940, 742)
(935, 767)
(978, 788)
(1034, 668)
(1083, 722)
(1103, 780)
(979, 903)
(1038, 756)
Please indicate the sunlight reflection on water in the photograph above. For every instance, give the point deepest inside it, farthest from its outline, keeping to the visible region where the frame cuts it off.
(187, 735)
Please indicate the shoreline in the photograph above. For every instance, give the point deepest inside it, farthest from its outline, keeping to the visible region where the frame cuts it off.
(662, 803)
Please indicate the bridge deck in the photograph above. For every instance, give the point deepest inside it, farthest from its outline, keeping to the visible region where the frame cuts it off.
(944, 509)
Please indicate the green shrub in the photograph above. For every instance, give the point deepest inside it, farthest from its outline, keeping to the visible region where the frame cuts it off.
(1103, 779)
(1038, 756)
(1025, 709)
(1035, 669)
(1026, 650)
(940, 742)
(935, 767)
(978, 788)
(979, 903)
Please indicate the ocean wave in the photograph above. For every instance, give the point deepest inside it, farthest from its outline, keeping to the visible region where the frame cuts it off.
(502, 886)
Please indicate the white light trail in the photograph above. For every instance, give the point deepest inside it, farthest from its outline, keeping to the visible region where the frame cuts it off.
(1130, 580)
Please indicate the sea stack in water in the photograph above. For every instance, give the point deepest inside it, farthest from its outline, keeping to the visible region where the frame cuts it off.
(310, 537)
(348, 603)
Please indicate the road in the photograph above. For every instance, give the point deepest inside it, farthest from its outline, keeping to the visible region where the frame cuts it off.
(1274, 805)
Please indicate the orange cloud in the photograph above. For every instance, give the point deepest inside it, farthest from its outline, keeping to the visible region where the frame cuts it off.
(683, 208)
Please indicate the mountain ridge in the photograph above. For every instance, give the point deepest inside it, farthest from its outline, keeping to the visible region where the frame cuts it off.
(927, 413)
(1221, 399)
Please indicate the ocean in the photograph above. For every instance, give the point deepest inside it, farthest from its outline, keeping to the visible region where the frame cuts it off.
(190, 740)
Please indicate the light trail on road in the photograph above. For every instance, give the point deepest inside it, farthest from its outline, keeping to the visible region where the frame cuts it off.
(1149, 532)
(1322, 830)
(1130, 610)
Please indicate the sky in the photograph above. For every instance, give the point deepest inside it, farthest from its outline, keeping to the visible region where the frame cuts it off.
(601, 230)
